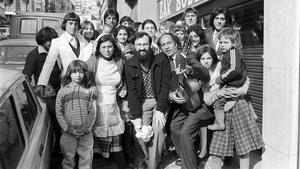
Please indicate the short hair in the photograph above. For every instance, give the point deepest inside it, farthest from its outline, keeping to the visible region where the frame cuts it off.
(85, 24)
(105, 38)
(125, 18)
(45, 34)
(70, 17)
(135, 26)
(168, 24)
(199, 31)
(174, 38)
(139, 35)
(189, 10)
(210, 51)
(230, 33)
(218, 11)
(111, 12)
(149, 21)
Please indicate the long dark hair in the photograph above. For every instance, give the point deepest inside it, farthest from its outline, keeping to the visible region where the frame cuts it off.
(208, 49)
(199, 31)
(77, 66)
(105, 38)
(218, 11)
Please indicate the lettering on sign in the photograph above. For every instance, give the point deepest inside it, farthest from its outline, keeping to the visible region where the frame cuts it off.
(170, 7)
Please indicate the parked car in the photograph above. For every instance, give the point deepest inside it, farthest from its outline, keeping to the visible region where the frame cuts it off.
(13, 52)
(26, 25)
(26, 134)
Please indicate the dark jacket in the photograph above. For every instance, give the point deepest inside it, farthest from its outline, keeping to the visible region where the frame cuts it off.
(34, 65)
(233, 71)
(199, 73)
(209, 39)
(160, 79)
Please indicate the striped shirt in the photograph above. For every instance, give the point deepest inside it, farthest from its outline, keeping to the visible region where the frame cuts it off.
(74, 107)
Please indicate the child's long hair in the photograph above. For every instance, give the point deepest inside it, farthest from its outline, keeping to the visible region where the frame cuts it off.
(80, 66)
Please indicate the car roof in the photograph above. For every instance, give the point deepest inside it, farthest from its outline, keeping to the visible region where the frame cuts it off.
(16, 42)
(7, 78)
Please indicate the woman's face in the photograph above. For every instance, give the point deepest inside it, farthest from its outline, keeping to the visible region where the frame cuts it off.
(122, 36)
(107, 49)
(195, 38)
(206, 60)
(88, 32)
(149, 29)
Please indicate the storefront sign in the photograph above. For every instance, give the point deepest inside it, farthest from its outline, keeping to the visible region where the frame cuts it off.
(168, 8)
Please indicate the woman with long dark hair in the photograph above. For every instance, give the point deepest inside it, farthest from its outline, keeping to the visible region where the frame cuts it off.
(106, 67)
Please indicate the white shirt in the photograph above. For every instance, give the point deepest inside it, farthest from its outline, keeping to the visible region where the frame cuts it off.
(107, 80)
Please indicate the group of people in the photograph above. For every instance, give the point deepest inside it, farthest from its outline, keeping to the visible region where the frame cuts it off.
(102, 86)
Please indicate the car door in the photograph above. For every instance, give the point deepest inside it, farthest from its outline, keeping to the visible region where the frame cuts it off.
(36, 127)
(12, 140)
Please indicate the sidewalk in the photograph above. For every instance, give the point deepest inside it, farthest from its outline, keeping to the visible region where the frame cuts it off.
(168, 162)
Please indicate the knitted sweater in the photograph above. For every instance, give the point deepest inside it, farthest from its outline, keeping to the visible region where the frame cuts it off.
(74, 108)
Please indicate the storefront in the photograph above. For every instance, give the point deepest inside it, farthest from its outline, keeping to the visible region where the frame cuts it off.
(247, 16)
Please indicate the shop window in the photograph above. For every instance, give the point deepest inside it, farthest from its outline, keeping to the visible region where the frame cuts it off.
(28, 107)
(12, 142)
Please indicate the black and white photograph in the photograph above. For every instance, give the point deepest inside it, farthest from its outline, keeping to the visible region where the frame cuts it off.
(149, 84)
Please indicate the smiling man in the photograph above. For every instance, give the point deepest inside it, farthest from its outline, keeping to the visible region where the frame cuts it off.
(148, 77)
(185, 119)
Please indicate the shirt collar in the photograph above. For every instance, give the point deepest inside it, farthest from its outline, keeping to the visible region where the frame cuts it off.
(69, 37)
(41, 49)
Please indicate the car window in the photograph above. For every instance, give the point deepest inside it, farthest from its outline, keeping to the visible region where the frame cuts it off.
(28, 26)
(14, 54)
(27, 106)
(12, 142)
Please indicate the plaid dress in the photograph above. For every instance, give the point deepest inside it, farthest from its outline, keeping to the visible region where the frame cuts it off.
(241, 132)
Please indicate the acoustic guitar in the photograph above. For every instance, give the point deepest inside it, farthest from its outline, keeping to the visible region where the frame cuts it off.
(188, 87)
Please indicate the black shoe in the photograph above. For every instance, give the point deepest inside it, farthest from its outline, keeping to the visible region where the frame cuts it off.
(178, 162)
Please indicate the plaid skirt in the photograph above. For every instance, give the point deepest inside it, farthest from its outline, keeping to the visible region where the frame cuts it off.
(106, 145)
(241, 132)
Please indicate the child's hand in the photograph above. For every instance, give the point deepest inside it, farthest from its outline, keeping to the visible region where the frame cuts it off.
(219, 81)
(78, 133)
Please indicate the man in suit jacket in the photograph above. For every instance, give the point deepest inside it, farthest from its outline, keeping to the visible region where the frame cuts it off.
(185, 124)
(64, 49)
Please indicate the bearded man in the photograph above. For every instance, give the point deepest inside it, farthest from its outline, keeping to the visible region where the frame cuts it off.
(148, 77)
